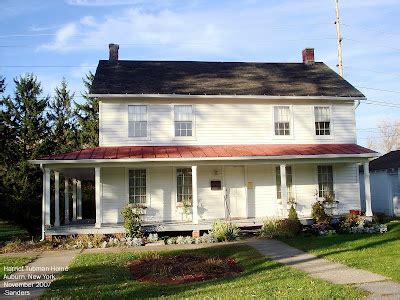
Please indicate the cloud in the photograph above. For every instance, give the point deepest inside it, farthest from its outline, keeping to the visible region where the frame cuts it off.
(102, 2)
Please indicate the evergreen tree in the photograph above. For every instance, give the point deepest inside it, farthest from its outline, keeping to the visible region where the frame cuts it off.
(88, 116)
(27, 128)
(64, 133)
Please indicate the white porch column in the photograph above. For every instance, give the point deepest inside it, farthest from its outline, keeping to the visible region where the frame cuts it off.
(74, 199)
(284, 192)
(47, 206)
(66, 200)
(56, 199)
(79, 196)
(195, 202)
(367, 186)
(43, 203)
(97, 179)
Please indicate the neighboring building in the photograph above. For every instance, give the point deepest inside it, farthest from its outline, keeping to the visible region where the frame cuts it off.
(199, 141)
(385, 184)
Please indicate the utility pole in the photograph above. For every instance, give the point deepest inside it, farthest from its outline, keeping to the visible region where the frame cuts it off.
(339, 40)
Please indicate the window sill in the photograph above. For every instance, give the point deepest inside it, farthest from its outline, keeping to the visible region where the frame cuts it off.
(184, 138)
(139, 138)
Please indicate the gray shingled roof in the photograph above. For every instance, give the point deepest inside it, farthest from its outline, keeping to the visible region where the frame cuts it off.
(390, 160)
(219, 78)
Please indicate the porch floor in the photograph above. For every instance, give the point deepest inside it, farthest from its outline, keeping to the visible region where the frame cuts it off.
(88, 226)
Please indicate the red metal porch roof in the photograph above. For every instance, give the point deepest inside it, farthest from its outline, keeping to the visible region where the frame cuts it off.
(204, 151)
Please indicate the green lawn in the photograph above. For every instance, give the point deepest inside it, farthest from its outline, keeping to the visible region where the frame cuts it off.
(9, 231)
(379, 253)
(106, 276)
(13, 261)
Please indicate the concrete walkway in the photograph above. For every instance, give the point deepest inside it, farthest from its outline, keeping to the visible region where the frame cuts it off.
(36, 276)
(379, 286)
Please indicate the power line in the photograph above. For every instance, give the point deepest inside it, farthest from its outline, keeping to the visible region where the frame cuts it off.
(373, 71)
(161, 44)
(374, 44)
(377, 89)
(368, 28)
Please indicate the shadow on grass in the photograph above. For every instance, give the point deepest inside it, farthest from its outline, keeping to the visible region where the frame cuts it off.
(342, 243)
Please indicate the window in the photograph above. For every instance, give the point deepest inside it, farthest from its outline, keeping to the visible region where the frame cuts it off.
(137, 186)
(183, 119)
(322, 120)
(325, 180)
(282, 120)
(184, 185)
(137, 121)
(289, 182)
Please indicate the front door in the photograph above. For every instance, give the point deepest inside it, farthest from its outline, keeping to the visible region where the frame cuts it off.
(235, 192)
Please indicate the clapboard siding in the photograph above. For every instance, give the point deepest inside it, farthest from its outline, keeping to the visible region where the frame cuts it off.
(261, 192)
(225, 122)
(113, 194)
(347, 187)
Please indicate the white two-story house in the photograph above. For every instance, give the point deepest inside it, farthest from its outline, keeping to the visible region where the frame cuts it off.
(198, 141)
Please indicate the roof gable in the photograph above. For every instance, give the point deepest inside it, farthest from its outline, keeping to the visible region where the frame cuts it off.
(219, 78)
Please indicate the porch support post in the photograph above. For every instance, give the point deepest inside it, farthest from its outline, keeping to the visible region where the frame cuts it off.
(56, 199)
(79, 195)
(47, 206)
(195, 203)
(74, 199)
(284, 192)
(367, 186)
(97, 179)
(66, 200)
(43, 203)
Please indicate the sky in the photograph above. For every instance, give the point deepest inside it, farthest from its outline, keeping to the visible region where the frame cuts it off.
(66, 38)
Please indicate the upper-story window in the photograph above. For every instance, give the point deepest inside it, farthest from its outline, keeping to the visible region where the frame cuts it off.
(282, 120)
(138, 121)
(322, 120)
(183, 120)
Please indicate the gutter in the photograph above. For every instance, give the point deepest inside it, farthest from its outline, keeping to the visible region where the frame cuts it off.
(260, 97)
(230, 158)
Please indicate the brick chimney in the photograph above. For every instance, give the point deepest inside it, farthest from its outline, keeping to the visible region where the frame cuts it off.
(308, 56)
(113, 52)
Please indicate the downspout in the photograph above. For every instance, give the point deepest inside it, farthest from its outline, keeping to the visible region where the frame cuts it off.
(43, 202)
(357, 104)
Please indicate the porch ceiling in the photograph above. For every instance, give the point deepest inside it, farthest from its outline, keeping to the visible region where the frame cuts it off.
(78, 173)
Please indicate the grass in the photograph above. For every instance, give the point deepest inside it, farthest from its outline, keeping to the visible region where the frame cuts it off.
(9, 231)
(13, 261)
(106, 276)
(378, 253)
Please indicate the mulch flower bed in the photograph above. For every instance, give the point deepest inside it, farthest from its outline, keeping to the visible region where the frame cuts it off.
(182, 268)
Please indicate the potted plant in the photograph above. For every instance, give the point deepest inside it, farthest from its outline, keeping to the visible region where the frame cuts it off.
(185, 208)
(330, 204)
(291, 202)
(138, 208)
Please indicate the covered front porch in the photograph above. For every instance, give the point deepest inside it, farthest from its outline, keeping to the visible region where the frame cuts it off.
(253, 181)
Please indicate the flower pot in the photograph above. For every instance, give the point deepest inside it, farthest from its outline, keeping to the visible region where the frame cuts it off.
(139, 210)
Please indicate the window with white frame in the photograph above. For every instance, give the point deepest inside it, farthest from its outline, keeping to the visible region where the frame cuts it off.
(282, 120)
(184, 185)
(322, 120)
(183, 120)
(325, 180)
(137, 186)
(289, 182)
(137, 121)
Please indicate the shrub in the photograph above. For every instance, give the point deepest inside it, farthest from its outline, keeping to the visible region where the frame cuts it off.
(276, 228)
(293, 218)
(270, 228)
(318, 213)
(322, 228)
(224, 231)
(152, 238)
(132, 222)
